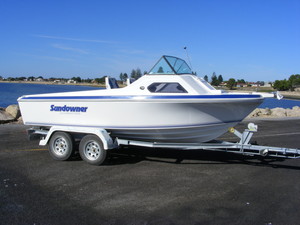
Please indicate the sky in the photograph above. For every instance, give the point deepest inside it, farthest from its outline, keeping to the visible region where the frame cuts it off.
(254, 40)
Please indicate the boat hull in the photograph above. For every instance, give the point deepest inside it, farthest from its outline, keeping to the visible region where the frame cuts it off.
(194, 134)
(172, 120)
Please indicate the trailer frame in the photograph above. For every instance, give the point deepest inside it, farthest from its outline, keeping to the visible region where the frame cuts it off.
(105, 141)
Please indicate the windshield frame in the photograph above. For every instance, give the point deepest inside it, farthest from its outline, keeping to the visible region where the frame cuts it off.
(177, 60)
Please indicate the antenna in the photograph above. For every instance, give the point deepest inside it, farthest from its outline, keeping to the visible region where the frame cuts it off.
(188, 57)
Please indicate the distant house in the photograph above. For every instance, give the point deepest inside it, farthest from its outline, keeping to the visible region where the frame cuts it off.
(71, 81)
(39, 79)
(297, 88)
(253, 84)
(223, 84)
(267, 84)
(241, 85)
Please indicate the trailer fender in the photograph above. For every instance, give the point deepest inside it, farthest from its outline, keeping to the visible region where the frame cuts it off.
(107, 141)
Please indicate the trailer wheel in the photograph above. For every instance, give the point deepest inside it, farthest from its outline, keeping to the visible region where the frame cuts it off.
(61, 146)
(91, 150)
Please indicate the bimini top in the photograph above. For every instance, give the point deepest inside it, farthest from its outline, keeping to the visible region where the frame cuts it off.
(170, 65)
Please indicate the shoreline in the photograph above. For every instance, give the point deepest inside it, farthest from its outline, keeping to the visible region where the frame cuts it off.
(291, 95)
(53, 83)
(295, 95)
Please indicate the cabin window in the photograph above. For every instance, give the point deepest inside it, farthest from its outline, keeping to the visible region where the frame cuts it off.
(166, 88)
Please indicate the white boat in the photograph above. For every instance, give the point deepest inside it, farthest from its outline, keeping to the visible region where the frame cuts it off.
(169, 104)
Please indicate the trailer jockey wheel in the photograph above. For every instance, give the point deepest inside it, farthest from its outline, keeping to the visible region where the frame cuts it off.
(61, 146)
(91, 150)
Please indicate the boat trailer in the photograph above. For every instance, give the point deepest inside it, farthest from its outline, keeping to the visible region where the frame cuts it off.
(243, 147)
(95, 141)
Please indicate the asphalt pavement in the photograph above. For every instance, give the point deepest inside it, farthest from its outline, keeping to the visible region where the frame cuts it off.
(151, 186)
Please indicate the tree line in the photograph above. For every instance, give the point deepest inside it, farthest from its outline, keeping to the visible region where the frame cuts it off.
(217, 80)
(287, 84)
(282, 85)
(135, 74)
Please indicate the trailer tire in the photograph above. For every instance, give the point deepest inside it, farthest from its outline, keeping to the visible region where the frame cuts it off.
(61, 146)
(91, 150)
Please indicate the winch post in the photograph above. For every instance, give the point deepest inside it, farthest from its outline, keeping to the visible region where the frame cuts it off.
(246, 136)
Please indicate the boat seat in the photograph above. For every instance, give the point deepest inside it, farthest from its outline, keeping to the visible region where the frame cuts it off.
(111, 83)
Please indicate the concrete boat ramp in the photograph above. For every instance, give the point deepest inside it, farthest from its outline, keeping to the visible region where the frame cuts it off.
(151, 186)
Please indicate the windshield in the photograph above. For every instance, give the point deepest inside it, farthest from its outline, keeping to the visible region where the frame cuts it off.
(171, 65)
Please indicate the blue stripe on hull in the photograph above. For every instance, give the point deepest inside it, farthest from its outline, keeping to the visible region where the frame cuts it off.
(141, 97)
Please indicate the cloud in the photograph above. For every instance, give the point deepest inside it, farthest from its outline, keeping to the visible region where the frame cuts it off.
(55, 58)
(75, 39)
(44, 57)
(131, 52)
(66, 48)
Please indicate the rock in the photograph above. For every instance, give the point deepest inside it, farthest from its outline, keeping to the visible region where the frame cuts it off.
(275, 113)
(290, 113)
(5, 117)
(255, 113)
(20, 120)
(260, 113)
(14, 111)
(294, 112)
(278, 112)
(265, 112)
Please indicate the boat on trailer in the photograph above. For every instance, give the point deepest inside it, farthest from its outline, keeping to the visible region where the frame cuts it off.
(169, 106)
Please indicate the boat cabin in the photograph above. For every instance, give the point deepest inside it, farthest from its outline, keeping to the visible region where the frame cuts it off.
(170, 76)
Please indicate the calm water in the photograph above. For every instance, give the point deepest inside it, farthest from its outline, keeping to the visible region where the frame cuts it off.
(283, 103)
(10, 92)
